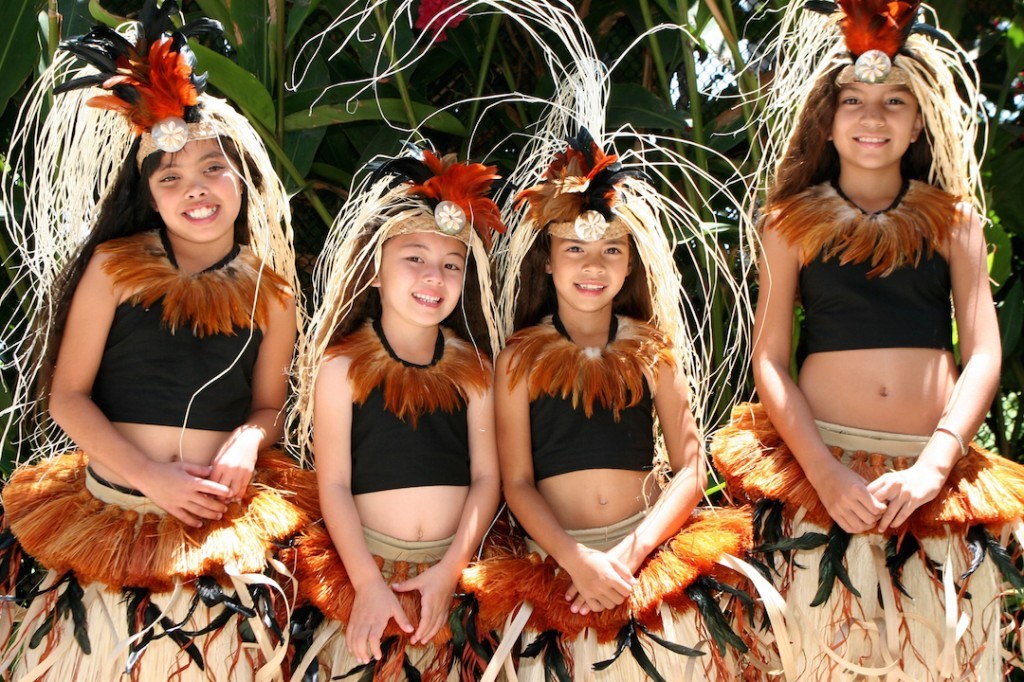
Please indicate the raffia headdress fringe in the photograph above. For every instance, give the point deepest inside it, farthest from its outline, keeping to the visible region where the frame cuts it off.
(58, 521)
(612, 377)
(983, 487)
(820, 221)
(412, 391)
(502, 584)
(209, 302)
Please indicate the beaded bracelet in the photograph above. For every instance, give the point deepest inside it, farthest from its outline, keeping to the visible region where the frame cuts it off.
(959, 439)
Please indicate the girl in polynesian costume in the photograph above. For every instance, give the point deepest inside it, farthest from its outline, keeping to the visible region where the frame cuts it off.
(396, 407)
(885, 525)
(613, 561)
(161, 345)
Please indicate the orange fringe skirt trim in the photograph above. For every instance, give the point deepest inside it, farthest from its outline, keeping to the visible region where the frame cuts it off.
(65, 528)
(324, 583)
(983, 488)
(501, 584)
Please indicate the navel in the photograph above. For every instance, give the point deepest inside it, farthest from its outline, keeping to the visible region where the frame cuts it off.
(884, 392)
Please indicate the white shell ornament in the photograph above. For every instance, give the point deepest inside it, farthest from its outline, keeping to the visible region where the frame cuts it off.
(450, 218)
(874, 66)
(170, 134)
(590, 226)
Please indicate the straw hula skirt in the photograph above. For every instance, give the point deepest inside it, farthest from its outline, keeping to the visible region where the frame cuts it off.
(922, 602)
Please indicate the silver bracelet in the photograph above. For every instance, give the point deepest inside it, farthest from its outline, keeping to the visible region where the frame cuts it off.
(959, 439)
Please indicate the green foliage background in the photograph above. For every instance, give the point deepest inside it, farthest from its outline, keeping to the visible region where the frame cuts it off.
(669, 82)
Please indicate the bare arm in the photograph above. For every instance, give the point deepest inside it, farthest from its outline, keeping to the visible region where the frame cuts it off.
(437, 584)
(235, 460)
(844, 493)
(601, 580)
(179, 488)
(673, 507)
(974, 390)
(375, 604)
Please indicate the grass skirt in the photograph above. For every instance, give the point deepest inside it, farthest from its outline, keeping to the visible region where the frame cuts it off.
(329, 596)
(921, 602)
(672, 627)
(106, 584)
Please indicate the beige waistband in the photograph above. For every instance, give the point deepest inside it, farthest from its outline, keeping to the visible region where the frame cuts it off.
(411, 551)
(137, 503)
(852, 439)
(602, 539)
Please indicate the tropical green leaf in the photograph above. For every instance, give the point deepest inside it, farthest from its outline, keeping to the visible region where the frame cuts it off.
(1015, 45)
(19, 45)
(371, 110)
(632, 104)
(237, 84)
(1011, 318)
(1000, 255)
(102, 15)
(247, 27)
(300, 11)
(301, 147)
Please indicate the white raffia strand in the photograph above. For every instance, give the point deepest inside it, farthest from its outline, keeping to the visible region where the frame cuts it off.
(662, 224)
(942, 77)
(67, 155)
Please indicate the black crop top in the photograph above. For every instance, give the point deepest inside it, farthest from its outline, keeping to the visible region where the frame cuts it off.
(614, 436)
(427, 446)
(152, 368)
(845, 309)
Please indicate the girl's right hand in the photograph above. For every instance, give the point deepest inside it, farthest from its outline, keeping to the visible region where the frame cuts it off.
(847, 499)
(373, 607)
(183, 490)
(599, 582)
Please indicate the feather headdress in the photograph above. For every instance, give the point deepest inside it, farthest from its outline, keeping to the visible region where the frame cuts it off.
(65, 155)
(456, 194)
(578, 192)
(150, 80)
(415, 192)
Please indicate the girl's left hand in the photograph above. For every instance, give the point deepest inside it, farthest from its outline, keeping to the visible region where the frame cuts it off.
(904, 491)
(436, 586)
(236, 459)
(619, 554)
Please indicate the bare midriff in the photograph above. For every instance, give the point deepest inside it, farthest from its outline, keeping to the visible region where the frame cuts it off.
(414, 514)
(899, 390)
(165, 444)
(594, 498)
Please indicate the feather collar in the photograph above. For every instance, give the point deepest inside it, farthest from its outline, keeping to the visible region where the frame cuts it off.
(823, 223)
(409, 390)
(217, 300)
(612, 377)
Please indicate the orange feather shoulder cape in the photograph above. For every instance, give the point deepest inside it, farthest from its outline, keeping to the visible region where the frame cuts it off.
(218, 300)
(613, 376)
(821, 222)
(410, 390)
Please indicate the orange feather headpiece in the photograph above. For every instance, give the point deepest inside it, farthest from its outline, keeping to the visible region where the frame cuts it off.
(151, 81)
(578, 191)
(875, 31)
(456, 196)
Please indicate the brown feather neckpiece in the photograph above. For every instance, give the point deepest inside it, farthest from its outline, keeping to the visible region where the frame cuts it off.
(612, 377)
(820, 221)
(409, 390)
(215, 301)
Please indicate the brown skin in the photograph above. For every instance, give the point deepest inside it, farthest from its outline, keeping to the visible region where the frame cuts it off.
(412, 265)
(597, 497)
(900, 390)
(190, 473)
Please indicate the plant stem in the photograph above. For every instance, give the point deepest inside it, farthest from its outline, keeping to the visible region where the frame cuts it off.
(481, 79)
(507, 70)
(696, 110)
(403, 89)
(727, 23)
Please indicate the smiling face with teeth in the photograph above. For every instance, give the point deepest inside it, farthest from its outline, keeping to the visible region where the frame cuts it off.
(588, 275)
(198, 195)
(420, 278)
(874, 125)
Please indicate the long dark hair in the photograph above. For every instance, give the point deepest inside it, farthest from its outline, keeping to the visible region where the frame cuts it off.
(537, 298)
(126, 209)
(467, 320)
(811, 157)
